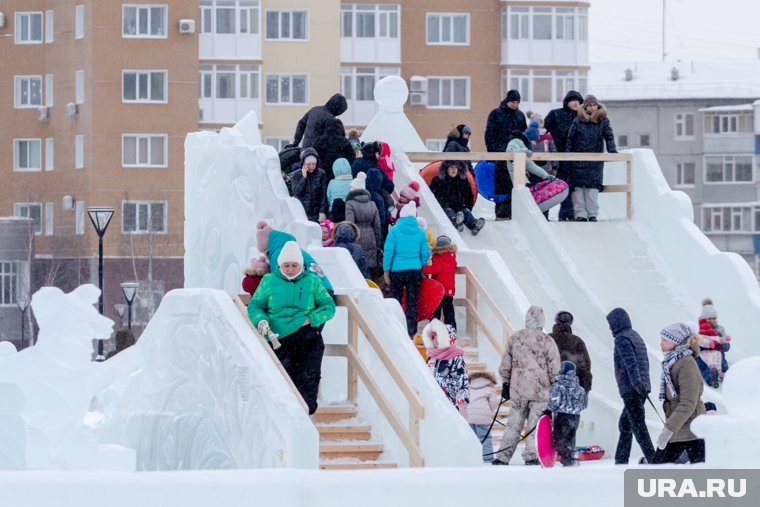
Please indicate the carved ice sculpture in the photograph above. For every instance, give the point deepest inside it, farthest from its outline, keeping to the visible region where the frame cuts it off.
(390, 124)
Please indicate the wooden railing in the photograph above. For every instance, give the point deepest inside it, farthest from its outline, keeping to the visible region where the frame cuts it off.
(519, 159)
(410, 437)
(241, 301)
(475, 291)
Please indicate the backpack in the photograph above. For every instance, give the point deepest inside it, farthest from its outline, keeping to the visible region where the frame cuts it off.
(288, 157)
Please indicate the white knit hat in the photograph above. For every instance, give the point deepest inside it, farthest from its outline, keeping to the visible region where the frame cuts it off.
(291, 252)
(409, 210)
(359, 183)
(708, 310)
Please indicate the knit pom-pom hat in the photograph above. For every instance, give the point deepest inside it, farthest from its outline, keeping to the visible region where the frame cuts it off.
(708, 310)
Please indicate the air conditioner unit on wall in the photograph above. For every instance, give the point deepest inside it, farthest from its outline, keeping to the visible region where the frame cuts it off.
(72, 110)
(43, 113)
(417, 84)
(417, 99)
(186, 26)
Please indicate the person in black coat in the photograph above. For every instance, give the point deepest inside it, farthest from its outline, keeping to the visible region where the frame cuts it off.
(367, 160)
(572, 348)
(346, 234)
(312, 125)
(454, 193)
(558, 123)
(589, 132)
(458, 141)
(333, 145)
(310, 186)
(502, 121)
(632, 377)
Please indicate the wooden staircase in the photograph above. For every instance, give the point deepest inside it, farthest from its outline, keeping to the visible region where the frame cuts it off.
(345, 441)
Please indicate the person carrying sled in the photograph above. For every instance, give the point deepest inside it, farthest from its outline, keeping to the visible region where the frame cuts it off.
(632, 377)
(681, 390)
(446, 362)
(290, 305)
(528, 366)
(566, 401)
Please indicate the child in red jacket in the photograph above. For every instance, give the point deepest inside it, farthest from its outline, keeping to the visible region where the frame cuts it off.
(443, 268)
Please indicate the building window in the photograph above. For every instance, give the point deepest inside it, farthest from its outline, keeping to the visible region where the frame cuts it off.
(544, 23)
(31, 210)
(448, 28)
(28, 91)
(358, 83)
(144, 150)
(729, 169)
(622, 141)
(143, 21)
(278, 143)
(731, 123)
(49, 26)
(684, 126)
(79, 151)
(28, 28)
(448, 92)
(8, 283)
(286, 89)
(49, 154)
(144, 85)
(143, 217)
(229, 82)
(27, 155)
(685, 174)
(218, 16)
(287, 25)
(644, 140)
(435, 144)
(79, 86)
(49, 217)
(79, 22)
(730, 218)
(544, 85)
(369, 20)
(249, 17)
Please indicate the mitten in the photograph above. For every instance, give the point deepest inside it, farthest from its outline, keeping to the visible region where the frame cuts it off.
(263, 327)
(716, 346)
(664, 438)
(551, 177)
(505, 390)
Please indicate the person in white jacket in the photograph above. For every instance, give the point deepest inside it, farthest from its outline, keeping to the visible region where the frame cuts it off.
(483, 401)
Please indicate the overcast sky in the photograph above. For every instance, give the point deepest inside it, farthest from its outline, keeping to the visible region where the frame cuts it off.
(631, 30)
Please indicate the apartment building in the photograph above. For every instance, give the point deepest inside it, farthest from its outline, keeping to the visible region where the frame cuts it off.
(699, 119)
(94, 98)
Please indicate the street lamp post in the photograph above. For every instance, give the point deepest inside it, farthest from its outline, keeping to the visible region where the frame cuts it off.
(22, 304)
(100, 218)
(130, 290)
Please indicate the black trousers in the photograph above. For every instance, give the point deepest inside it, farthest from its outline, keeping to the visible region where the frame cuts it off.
(695, 450)
(447, 309)
(301, 356)
(409, 280)
(632, 423)
(502, 184)
(563, 435)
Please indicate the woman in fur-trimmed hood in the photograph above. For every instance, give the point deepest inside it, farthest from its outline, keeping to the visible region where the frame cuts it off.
(589, 133)
(446, 361)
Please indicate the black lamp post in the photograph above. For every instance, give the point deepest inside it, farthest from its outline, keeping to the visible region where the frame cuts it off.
(22, 304)
(100, 218)
(130, 290)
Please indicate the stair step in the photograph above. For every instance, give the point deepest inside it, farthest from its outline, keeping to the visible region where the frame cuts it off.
(327, 465)
(361, 451)
(336, 413)
(344, 432)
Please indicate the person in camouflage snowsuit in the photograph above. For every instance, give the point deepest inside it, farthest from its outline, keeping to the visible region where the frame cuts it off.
(566, 400)
(446, 361)
(528, 366)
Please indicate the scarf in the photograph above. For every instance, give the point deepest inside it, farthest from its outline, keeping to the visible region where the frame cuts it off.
(671, 358)
(445, 353)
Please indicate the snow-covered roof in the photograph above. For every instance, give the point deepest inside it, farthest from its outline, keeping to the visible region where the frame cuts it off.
(694, 80)
(728, 109)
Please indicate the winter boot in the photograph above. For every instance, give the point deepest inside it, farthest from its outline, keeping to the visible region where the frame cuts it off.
(499, 462)
(532, 462)
(459, 221)
(581, 219)
(592, 219)
(478, 226)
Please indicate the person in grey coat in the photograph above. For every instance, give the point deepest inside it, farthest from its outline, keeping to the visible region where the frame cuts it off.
(363, 212)
(313, 123)
(588, 134)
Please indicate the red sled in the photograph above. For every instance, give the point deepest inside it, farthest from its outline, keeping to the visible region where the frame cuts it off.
(589, 453)
(548, 194)
(544, 443)
(430, 297)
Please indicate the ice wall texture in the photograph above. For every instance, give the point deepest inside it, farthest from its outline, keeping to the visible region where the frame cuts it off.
(199, 391)
(45, 390)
